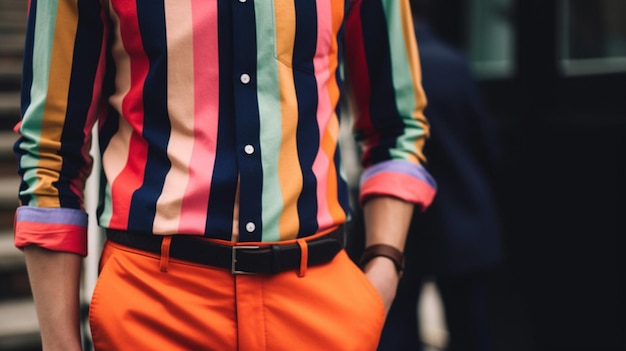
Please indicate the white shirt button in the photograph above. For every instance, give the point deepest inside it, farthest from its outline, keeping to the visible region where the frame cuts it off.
(248, 149)
(242, 1)
(250, 227)
(245, 78)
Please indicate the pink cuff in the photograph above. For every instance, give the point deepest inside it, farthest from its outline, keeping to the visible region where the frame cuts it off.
(399, 185)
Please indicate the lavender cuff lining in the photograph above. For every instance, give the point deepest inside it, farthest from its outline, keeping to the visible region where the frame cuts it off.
(397, 166)
(52, 215)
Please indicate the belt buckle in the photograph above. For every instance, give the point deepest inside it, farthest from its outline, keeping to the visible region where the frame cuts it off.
(233, 264)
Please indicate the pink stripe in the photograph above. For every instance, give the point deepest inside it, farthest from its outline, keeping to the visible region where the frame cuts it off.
(324, 110)
(206, 62)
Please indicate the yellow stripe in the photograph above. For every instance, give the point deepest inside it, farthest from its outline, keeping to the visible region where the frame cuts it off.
(58, 90)
(290, 181)
(416, 74)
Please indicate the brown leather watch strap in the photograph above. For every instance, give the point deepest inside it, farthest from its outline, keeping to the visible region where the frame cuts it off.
(384, 250)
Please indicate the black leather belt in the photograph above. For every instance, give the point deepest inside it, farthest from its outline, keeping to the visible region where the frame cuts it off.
(239, 259)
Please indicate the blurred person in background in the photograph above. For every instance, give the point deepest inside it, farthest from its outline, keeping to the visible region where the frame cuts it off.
(458, 242)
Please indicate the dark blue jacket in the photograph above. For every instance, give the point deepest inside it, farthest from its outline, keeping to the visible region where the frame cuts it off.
(460, 232)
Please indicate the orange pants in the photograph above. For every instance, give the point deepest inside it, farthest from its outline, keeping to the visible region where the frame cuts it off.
(146, 302)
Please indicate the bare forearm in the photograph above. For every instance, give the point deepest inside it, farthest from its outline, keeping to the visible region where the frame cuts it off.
(387, 221)
(54, 279)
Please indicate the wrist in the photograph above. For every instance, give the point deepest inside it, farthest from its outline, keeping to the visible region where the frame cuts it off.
(384, 251)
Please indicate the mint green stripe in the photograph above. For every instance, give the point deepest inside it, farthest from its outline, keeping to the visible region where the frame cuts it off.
(270, 118)
(107, 211)
(402, 81)
(31, 127)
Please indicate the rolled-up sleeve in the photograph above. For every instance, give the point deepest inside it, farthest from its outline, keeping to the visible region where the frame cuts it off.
(383, 75)
(61, 99)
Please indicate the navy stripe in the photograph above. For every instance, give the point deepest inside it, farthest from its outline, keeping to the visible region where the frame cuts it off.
(85, 66)
(307, 134)
(109, 127)
(247, 119)
(110, 119)
(384, 115)
(157, 127)
(222, 198)
(339, 72)
(342, 186)
(109, 122)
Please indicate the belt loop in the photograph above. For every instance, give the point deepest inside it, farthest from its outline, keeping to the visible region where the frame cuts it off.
(304, 257)
(165, 253)
(275, 258)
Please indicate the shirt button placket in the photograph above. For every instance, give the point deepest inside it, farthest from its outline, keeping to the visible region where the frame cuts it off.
(247, 124)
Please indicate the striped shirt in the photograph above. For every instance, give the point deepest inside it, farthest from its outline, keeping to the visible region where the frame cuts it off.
(212, 113)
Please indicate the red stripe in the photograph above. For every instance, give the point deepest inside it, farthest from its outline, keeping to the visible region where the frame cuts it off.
(131, 177)
(358, 73)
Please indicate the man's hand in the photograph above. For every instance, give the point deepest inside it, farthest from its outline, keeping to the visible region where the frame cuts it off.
(382, 272)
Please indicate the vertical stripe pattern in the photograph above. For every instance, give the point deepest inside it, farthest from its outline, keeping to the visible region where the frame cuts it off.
(197, 99)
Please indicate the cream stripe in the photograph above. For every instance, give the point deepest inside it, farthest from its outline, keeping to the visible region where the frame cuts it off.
(180, 97)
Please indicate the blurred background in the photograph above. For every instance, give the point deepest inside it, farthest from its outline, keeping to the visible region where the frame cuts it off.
(18, 322)
(552, 74)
